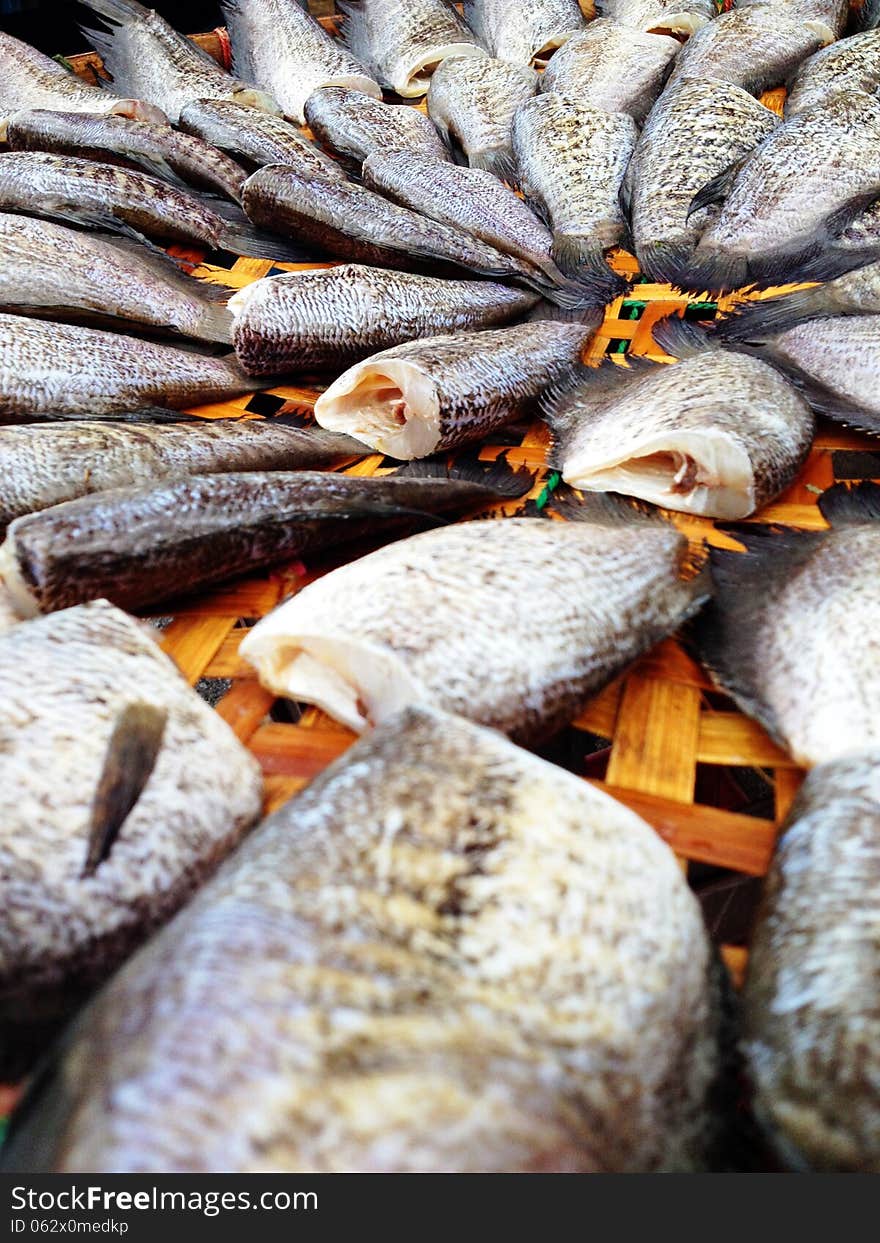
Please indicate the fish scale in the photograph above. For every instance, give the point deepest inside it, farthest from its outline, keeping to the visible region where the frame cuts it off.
(473, 103)
(524, 34)
(355, 126)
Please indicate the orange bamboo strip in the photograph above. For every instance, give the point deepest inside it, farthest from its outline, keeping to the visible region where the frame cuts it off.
(728, 738)
(192, 644)
(788, 782)
(291, 751)
(655, 741)
(736, 959)
(244, 707)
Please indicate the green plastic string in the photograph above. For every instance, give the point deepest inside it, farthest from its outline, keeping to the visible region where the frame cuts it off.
(548, 489)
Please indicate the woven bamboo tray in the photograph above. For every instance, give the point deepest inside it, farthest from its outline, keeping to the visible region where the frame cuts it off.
(659, 737)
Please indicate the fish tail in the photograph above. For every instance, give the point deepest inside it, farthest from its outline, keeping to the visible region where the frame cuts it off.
(578, 312)
(118, 11)
(665, 262)
(499, 161)
(582, 260)
(766, 317)
(842, 505)
(682, 338)
(240, 237)
(712, 273)
(497, 477)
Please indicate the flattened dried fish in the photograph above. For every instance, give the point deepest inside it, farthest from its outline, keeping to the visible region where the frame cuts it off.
(785, 203)
(719, 434)
(402, 44)
(354, 223)
(756, 48)
(160, 150)
(473, 103)
(682, 17)
(358, 947)
(280, 46)
(139, 545)
(467, 198)
(256, 136)
(810, 1002)
(147, 58)
(851, 64)
(612, 67)
(855, 293)
(835, 361)
(42, 466)
(789, 632)
(82, 890)
(696, 130)
(354, 125)
(301, 321)
(424, 396)
(102, 196)
(832, 13)
(571, 161)
(525, 34)
(402, 627)
(59, 273)
(51, 371)
(28, 79)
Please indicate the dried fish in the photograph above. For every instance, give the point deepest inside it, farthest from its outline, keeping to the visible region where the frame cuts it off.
(473, 103)
(256, 136)
(525, 34)
(851, 64)
(354, 126)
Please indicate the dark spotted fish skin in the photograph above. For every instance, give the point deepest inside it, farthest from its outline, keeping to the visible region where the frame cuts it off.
(850, 64)
(473, 103)
(96, 373)
(612, 67)
(48, 270)
(159, 150)
(301, 321)
(147, 58)
(402, 43)
(811, 1019)
(524, 34)
(257, 137)
(352, 222)
(756, 48)
(43, 466)
(280, 46)
(355, 126)
(67, 682)
(832, 13)
(139, 545)
(696, 130)
(476, 381)
(28, 79)
(776, 213)
(355, 946)
(85, 192)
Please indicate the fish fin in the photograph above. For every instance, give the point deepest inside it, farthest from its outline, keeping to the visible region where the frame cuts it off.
(242, 238)
(354, 33)
(169, 269)
(40, 1116)
(596, 387)
(843, 505)
(578, 313)
(607, 509)
(499, 161)
(498, 477)
(765, 317)
(821, 397)
(627, 188)
(582, 259)
(712, 273)
(830, 262)
(665, 262)
(146, 414)
(716, 191)
(681, 337)
(131, 757)
(746, 586)
(121, 13)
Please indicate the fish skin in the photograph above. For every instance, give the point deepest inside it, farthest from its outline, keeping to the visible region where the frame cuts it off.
(786, 633)
(394, 629)
(779, 210)
(398, 39)
(810, 1001)
(524, 34)
(28, 79)
(850, 64)
(736, 431)
(756, 48)
(66, 681)
(139, 545)
(280, 46)
(354, 126)
(571, 160)
(473, 103)
(51, 371)
(352, 222)
(833, 13)
(255, 136)
(54, 272)
(854, 293)
(466, 198)
(613, 67)
(142, 51)
(833, 360)
(43, 466)
(358, 947)
(660, 16)
(695, 131)
(441, 392)
(159, 150)
(302, 321)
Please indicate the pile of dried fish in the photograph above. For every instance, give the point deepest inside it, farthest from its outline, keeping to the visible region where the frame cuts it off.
(446, 954)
